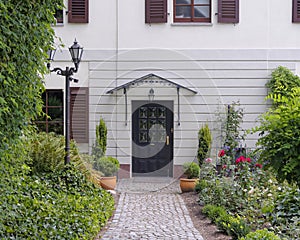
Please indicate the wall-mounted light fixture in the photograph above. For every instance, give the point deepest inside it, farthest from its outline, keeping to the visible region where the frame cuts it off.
(151, 95)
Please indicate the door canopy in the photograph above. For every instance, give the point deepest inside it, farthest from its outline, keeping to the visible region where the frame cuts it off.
(150, 79)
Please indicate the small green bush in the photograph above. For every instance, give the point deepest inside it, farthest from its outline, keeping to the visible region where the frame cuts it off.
(233, 226)
(99, 149)
(261, 235)
(213, 212)
(191, 170)
(47, 152)
(204, 143)
(106, 165)
(200, 185)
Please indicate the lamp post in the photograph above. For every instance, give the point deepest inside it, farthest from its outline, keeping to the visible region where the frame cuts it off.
(76, 53)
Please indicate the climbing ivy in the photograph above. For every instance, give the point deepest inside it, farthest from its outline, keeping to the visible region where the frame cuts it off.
(25, 37)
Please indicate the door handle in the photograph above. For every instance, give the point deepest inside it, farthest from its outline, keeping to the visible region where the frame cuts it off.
(167, 140)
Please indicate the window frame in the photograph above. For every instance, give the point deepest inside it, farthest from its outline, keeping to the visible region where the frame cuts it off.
(192, 18)
(47, 121)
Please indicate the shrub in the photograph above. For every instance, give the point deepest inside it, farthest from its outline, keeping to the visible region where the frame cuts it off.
(59, 205)
(47, 152)
(106, 165)
(282, 82)
(213, 212)
(99, 149)
(204, 143)
(280, 141)
(263, 234)
(233, 226)
(191, 170)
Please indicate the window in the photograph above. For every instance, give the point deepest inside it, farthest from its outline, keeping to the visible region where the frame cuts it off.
(296, 11)
(78, 11)
(192, 10)
(59, 16)
(53, 108)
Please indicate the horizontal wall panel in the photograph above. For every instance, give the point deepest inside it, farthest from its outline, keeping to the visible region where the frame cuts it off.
(196, 74)
(188, 64)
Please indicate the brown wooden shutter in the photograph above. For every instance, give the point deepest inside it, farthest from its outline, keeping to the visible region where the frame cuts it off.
(156, 11)
(79, 122)
(228, 11)
(296, 11)
(78, 11)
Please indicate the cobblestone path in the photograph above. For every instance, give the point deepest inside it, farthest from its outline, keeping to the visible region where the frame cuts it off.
(149, 209)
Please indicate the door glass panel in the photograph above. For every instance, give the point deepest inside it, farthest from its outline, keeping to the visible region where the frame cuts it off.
(143, 112)
(143, 124)
(161, 113)
(201, 11)
(152, 112)
(143, 138)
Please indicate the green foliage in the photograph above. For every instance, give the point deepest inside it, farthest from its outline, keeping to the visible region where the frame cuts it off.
(213, 212)
(280, 141)
(285, 217)
(262, 234)
(204, 143)
(25, 37)
(232, 128)
(106, 165)
(282, 82)
(191, 170)
(101, 140)
(47, 152)
(63, 205)
(234, 226)
(230, 131)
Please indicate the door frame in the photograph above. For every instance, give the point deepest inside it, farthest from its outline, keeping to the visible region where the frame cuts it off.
(135, 104)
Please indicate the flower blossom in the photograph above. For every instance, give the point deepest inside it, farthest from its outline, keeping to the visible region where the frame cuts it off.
(221, 153)
(224, 166)
(242, 159)
(258, 165)
(208, 160)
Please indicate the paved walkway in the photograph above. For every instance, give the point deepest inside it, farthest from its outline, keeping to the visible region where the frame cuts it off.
(151, 208)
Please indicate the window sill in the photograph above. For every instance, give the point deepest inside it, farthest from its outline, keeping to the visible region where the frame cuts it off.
(191, 24)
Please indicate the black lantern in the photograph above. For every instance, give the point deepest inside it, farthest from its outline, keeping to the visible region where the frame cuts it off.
(76, 54)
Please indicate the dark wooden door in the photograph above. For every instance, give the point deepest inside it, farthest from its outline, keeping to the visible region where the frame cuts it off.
(152, 139)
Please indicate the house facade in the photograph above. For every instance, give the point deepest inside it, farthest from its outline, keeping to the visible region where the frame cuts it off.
(157, 70)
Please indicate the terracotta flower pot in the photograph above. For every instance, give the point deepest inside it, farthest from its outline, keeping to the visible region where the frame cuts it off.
(108, 183)
(187, 185)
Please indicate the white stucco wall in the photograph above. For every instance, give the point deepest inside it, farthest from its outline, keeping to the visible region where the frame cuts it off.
(222, 62)
(121, 24)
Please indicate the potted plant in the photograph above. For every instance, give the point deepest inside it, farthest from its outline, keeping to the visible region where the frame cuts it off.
(192, 172)
(108, 166)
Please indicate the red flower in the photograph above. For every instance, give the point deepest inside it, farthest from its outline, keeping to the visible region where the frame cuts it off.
(221, 153)
(224, 167)
(242, 159)
(258, 165)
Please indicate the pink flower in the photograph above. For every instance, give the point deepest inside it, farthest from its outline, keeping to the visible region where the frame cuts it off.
(208, 160)
(221, 153)
(248, 160)
(224, 167)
